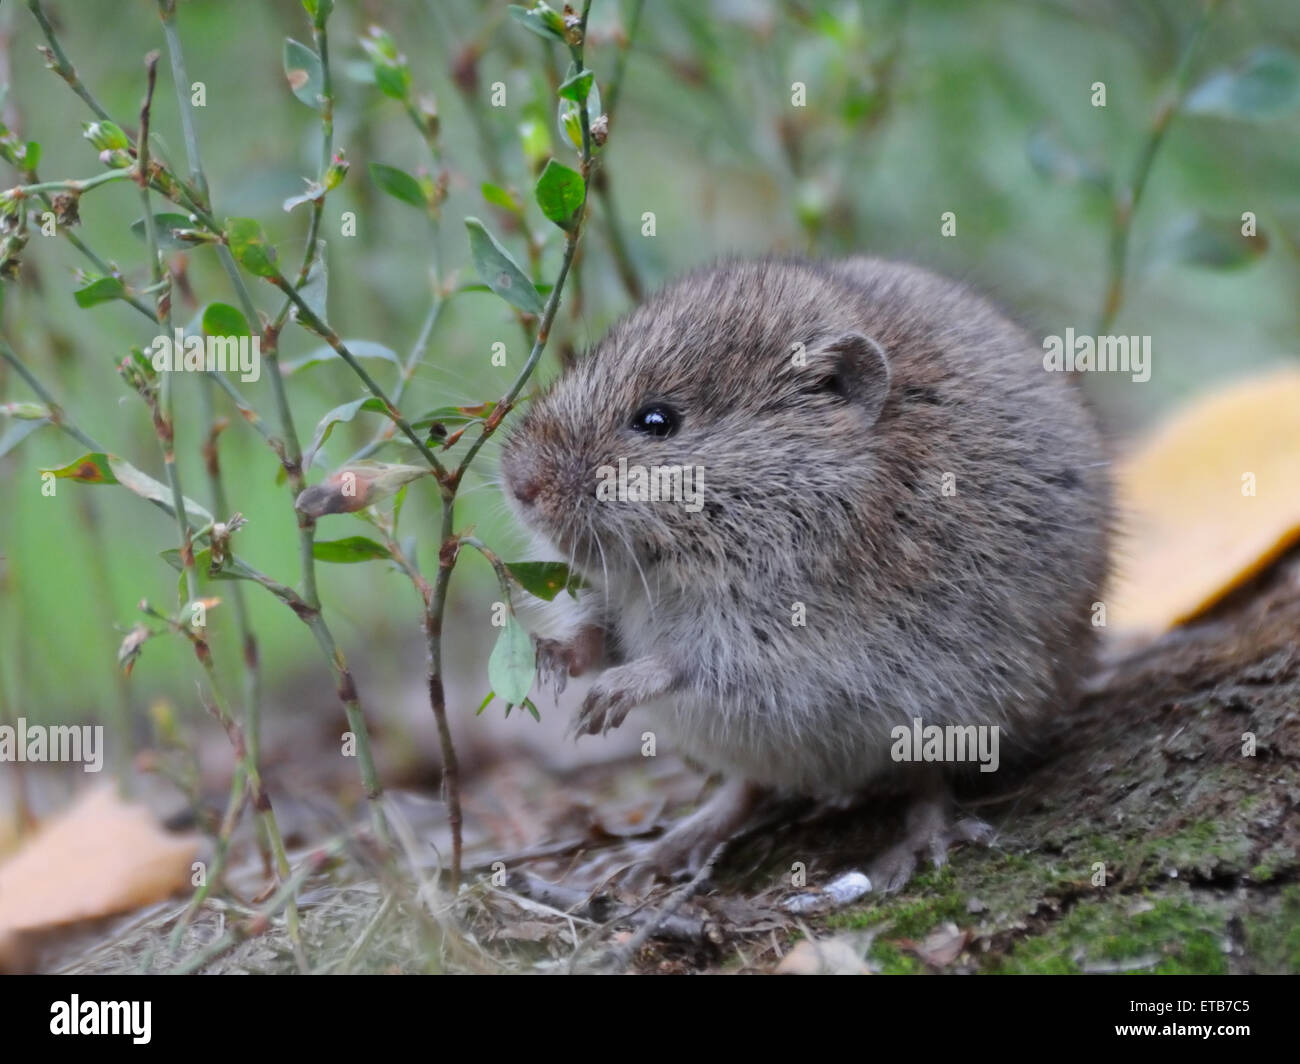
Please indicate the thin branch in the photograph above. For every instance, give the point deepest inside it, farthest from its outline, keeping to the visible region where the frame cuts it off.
(164, 425)
(449, 545)
(58, 416)
(310, 252)
(1127, 198)
(60, 63)
(71, 185)
(412, 363)
(262, 919)
(306, 606)
(309, 319)
(623, 263)
(167, 13)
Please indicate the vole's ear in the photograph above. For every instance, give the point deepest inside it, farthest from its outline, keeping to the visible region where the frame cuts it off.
(859, 370)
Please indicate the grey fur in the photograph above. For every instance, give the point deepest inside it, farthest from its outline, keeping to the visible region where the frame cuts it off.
(968, 609)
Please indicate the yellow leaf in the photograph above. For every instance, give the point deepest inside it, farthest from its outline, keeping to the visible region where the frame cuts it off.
(1207, 503)
(99, 856)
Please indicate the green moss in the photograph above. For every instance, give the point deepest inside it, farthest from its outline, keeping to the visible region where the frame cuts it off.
(1084, 851)
(890, 960)
(1186, 937)
(1274, 862)
(1073, 925)
(909, 915)
(1008, 884)
(1273, 937)
(1207, 848)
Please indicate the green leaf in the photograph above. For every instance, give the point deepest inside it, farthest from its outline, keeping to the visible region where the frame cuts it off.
(389, 68)
(534, 142)
(221, 319)
(302, 68)
(250, 247)
(455, 415)
(560, 193)
(231, 568)
(89, 469)
(1214, 243)
(541, 19)
(1264, 87)
(393, 81)
(545, 579)
(325, 353)
(349, 549)
(399, 184)
(25, 411)
(318, 11)
(568, 119)
(337, 416)
(532, 710)
(577, 86)
(164, 226)
(98, 468)
(487, 701)
(512, 663)
(105, 136)
(31, 155)
(498, 196)
(500, 272)
(100, 290)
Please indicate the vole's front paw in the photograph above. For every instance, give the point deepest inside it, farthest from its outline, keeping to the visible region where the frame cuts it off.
(554, 660)
(619, 691)
(605, 707)
(558, 659)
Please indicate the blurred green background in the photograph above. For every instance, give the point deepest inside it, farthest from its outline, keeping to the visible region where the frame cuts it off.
(913, 109)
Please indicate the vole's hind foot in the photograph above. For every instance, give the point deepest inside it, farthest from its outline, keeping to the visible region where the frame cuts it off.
(929, 829)
(685, 848)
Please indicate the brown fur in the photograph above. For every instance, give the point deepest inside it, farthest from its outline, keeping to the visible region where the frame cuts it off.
(972, 608)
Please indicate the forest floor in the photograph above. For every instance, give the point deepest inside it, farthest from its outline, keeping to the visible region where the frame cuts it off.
(1147, 835)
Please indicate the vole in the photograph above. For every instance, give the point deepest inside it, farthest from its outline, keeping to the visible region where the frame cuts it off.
(902, 514)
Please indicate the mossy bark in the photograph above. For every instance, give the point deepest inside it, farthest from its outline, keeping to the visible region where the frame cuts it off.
(1152, 787)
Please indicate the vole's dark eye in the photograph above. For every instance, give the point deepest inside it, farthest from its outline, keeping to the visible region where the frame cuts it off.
(657, 419)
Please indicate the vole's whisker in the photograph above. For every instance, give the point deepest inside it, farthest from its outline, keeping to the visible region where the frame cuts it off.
(603, 567)
(627, 544)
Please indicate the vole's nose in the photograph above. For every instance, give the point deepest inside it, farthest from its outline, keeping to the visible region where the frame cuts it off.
(523, 480)
(526, 490)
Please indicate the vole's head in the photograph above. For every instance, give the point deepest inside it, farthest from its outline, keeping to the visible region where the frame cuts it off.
(728, 421)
